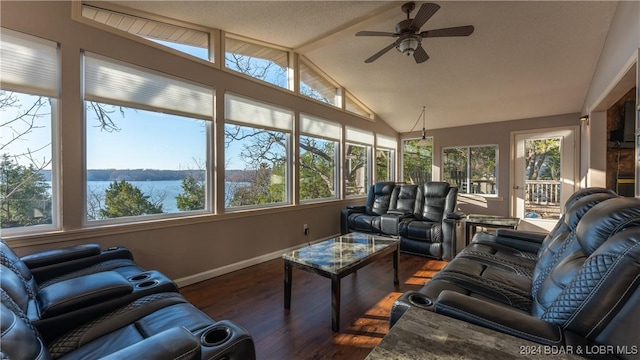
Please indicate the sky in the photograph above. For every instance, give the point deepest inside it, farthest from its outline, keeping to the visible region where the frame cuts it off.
(145, 139)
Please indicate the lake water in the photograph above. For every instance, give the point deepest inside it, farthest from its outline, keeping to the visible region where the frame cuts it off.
(155, 189)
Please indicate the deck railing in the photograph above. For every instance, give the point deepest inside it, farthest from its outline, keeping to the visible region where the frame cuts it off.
(542, 191)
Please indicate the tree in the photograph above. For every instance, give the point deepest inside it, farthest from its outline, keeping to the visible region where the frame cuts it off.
(193, 196)
(24, 195)
(356, 162)
(263, 190)
(416, 162)
(542, 158)
(317, 168)
(383, 172)
(124, 199)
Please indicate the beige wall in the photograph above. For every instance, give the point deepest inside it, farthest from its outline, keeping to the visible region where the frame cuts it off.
(610, 81)
(490, 134)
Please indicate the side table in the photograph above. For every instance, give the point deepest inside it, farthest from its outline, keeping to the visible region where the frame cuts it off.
(488, 221)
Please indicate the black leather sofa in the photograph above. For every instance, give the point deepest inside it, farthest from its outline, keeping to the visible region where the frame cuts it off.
(423, 217)
(85, 302)
(578, 290)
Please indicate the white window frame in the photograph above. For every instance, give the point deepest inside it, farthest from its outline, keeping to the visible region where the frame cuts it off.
(17, 50)
(174, 91)
(262, 115)
(267, 47)
(318, 128)
(337, 100)
(387, 143)
(362, 138)
(468, 169)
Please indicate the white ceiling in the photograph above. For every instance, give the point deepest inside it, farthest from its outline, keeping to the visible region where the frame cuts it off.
(525, 58)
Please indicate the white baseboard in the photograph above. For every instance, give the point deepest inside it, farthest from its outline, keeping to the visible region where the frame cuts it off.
(192, 279)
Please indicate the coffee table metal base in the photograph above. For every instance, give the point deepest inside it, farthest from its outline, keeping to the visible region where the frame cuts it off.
(335, 280)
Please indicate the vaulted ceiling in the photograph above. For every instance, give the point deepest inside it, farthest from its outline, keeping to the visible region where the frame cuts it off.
(525, 58)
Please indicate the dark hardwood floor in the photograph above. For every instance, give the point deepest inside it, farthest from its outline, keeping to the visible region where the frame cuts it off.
(254, 298)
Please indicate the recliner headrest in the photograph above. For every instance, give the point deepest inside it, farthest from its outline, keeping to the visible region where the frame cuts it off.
(585, 192)
(383, 188)
(606, 219)
(436, 189)
(584, 204)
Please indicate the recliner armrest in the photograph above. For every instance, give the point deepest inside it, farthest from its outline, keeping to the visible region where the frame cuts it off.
(530, 236)
(357, 208)
(400, 212)
(455, 215)
(529, 241)
(77, 293)
(175, 343)
(49, 257)
(499, 318)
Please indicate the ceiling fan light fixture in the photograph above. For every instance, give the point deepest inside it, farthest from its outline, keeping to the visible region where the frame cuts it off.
(408, 45)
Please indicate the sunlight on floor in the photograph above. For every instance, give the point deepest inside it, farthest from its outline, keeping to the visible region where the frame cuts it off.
(369, 329)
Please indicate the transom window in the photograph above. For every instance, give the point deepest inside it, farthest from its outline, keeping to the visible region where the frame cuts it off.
(188, 41)
(316, 86)
(257, 61)
(353, 106)
(473, 169)
(28, 93)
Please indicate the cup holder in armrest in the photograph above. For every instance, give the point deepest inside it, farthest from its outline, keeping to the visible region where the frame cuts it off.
(147, 284)
(140, 277)
(216, 335)
(420, 300)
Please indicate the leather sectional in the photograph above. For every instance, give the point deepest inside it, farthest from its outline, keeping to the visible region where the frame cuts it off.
(423, 217)
(575, 287)
(85, 302)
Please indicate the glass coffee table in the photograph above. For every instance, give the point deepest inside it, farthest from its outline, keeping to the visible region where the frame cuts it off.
(336, 258)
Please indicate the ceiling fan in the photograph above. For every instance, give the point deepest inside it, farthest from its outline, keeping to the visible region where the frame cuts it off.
(409, 40)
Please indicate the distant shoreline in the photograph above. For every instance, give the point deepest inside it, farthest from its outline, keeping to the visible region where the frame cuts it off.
(156, 175)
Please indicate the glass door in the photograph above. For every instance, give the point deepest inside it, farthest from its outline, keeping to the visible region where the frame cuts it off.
(545, 176)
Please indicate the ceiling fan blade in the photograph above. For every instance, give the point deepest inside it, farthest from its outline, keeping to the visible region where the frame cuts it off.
(425, 13)
(420, 55)
(375, 56)
(452, 31)
(376, 33)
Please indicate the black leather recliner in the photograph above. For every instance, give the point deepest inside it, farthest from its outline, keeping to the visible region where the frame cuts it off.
(431, 230)
(582, 290)
(158, 326)
(423, 217)
(366, 218)
(121, 313)
(68, 292)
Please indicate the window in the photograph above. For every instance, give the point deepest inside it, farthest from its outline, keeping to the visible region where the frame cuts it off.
(357, 161)
(145, 142)
(319, 153)
(188, 41)
(353, 106)
(257, 61)
(385, 158)
(473, 169)
(417, 160)
(29, 72)
(257, 166)
(317, 86)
